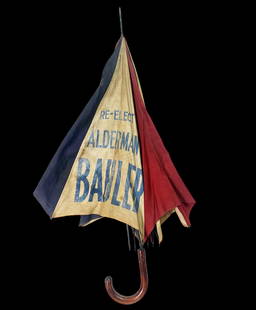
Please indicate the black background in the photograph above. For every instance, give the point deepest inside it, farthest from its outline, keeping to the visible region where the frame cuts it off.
(179, 52)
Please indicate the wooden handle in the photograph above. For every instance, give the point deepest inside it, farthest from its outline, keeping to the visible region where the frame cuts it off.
(128, 300)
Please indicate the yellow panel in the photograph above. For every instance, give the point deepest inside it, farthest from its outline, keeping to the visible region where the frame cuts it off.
(109, 154)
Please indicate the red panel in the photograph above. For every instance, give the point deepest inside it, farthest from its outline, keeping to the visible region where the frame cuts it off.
(163, 188)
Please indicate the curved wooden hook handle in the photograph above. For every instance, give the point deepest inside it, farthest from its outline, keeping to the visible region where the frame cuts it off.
(128, 300)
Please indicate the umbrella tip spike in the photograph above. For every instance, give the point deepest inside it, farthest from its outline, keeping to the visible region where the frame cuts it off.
(121, 21)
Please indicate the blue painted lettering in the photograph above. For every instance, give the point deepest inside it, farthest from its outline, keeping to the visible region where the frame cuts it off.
(112, 137)
(82, 178)
(91, 140)
(124, 141)
(128, 185)
(97, 180)
(127, 196)
(109, 178)
(105, 138)
(114, 200)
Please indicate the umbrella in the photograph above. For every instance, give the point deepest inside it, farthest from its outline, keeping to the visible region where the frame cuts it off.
(112, 163)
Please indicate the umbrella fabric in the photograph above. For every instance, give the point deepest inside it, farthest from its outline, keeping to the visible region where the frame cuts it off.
(112, 163)
(164, 190)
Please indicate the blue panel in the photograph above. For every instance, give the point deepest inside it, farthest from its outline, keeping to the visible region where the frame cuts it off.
(52, 182)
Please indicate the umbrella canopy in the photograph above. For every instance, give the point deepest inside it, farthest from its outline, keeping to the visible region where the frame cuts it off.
(112, 163)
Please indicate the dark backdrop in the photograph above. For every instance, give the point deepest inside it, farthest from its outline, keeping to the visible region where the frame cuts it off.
(178, 51)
